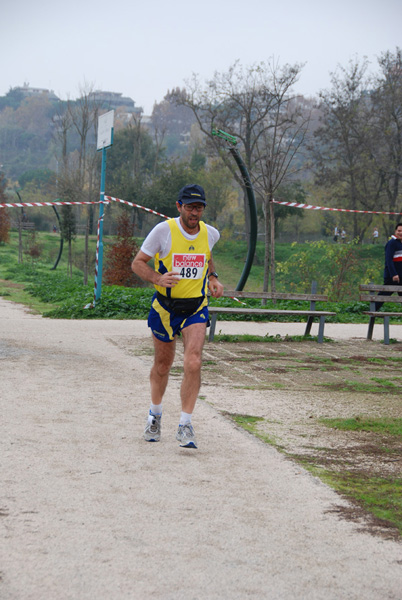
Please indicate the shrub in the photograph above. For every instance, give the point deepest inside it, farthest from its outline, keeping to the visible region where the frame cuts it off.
(119, 256)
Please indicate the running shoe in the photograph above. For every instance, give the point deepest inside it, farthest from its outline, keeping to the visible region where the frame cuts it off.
(186, 436)
(152, 432)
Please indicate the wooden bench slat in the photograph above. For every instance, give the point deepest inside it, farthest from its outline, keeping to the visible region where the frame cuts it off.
(377, 288)
(267, 311)
(376, 313)
(375, 298)
(274, 296)
(311, 314)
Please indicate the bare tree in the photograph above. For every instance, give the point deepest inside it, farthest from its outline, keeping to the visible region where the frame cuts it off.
(342, 161)
(385, 142)
(358, 149)
(276, 151)
(78, 177)
(256, 105)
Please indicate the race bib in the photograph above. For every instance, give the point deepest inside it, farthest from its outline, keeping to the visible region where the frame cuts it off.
(188, 266)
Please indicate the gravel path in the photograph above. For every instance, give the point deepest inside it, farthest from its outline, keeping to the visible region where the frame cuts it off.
(90, 511)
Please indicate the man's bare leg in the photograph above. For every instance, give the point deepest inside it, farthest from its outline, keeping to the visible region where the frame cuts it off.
(163, 359)
(159, 376)
(193, 341)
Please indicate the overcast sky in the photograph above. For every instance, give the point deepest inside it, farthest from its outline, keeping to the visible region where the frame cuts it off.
(142, 49)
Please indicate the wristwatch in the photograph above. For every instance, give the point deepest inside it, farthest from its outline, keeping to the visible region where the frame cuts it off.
(213, 274)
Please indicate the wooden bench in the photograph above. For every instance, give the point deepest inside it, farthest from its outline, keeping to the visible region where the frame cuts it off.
(311, 314)
(369, 293)
(24, 225)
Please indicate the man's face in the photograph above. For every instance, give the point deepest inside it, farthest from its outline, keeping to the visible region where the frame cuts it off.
(191, 214)
(398, 233)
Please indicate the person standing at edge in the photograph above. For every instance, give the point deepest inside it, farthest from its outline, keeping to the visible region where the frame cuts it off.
(184, 270)
(393, 263)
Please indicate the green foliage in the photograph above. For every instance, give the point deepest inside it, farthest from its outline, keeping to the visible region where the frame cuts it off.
(336, 268)
(116, 303)
(71, 296)
(382, 426)
(229, 258)
(162, 194)
(379, 495)
(40, 177)
(291, 192)
(198, 160)
(132, 164)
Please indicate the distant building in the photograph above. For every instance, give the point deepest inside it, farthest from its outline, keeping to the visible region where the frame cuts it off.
(29, 92)
(114, 100)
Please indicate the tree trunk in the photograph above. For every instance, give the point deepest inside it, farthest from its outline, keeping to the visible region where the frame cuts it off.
(20, 253)
(86, 254)
(267, 245)
(272, 244)
(70, 259)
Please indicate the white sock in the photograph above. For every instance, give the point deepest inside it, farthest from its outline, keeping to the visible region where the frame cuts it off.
(185, 418)
(156, 409)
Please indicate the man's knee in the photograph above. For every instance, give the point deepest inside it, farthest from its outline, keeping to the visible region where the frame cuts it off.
(192, 362)
(161, 368)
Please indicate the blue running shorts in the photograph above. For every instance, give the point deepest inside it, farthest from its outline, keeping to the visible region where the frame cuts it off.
(166, 324)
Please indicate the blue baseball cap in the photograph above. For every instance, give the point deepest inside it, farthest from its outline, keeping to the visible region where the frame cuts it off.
(192, 193)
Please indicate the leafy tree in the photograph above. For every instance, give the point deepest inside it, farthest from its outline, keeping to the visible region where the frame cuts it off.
(198, 159)
(4, 216)
(217, 183)
(162, 194)
(335, 267)
(41, 177)
(12, 99)
(134, 162)
(26, 135)
(290, 192)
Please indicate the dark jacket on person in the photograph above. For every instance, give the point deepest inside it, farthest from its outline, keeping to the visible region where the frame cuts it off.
(393, 259)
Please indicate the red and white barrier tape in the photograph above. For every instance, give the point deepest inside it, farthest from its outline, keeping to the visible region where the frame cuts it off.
(34, 204)
(154, 212)
(349, 210)
(107, 200)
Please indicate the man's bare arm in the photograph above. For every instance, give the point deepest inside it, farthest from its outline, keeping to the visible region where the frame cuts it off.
(141, 268)
(215, 286)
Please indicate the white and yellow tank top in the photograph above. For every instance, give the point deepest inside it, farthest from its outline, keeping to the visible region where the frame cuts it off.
(189, 259)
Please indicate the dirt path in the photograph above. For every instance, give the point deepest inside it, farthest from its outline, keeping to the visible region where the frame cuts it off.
(88, 510)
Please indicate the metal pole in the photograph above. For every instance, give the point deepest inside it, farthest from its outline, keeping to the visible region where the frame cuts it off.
(252, 205)
(61, 240)
(253, 218)
(101, 209)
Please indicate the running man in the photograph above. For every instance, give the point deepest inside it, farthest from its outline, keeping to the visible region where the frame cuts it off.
(184, 270)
